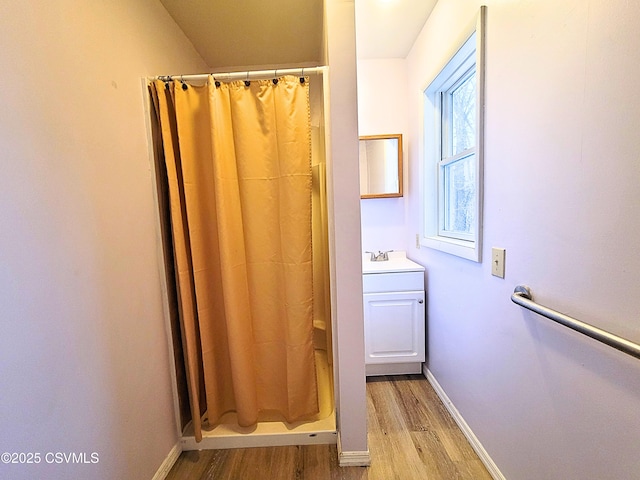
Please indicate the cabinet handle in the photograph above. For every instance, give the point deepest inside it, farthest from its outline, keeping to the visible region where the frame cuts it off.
(420, 301)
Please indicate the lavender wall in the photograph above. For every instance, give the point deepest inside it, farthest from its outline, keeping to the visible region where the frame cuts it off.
(84, 364)
(383, 109)
(344, 232)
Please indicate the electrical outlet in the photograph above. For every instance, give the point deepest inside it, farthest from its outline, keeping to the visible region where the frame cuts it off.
(418, 241)
(497, 261)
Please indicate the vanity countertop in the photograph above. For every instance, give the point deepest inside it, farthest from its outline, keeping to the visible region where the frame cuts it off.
(398, 262)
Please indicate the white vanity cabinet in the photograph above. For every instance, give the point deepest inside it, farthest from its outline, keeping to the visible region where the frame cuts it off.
(394, 315)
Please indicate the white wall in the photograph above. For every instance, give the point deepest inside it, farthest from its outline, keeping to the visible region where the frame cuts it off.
(84, 361)
(383, 109)
(562, 195)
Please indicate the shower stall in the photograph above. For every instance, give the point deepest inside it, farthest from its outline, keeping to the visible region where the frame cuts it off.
(195, 340)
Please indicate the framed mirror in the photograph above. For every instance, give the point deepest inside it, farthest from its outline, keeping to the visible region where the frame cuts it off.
(381, 166)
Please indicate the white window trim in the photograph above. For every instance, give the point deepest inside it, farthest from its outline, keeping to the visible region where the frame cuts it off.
(468, 249)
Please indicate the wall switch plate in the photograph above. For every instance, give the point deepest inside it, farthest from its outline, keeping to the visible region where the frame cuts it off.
(497, 261)
(418, 241)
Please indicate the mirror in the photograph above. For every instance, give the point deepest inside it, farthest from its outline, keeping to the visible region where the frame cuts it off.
(381, 166)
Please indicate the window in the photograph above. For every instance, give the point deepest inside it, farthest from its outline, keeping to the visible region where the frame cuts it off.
(453, 153)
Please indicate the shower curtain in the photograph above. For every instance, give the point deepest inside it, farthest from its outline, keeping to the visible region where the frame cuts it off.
(238, 163)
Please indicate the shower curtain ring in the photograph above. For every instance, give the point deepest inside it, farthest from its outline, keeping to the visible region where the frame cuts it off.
(275, 74)
(247, 82)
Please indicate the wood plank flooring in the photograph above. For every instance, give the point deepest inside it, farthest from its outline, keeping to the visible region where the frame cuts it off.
(411, 436)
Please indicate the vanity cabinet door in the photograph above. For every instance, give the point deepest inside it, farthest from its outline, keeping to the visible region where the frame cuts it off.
(394, 327)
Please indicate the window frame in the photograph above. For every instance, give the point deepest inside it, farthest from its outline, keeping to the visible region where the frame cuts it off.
(469, 56)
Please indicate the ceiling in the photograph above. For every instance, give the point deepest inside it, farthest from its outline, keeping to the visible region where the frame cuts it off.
(388, 28)
(254, 33)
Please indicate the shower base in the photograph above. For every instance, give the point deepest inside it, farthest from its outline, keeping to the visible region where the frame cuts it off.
(228, 434)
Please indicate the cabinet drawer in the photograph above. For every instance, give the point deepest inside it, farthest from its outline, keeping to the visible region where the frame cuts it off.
(393, 282)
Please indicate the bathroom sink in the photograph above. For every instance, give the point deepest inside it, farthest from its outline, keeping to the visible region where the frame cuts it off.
(398, 262)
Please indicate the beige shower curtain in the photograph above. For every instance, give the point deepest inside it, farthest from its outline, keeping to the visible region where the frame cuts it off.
(238, 162)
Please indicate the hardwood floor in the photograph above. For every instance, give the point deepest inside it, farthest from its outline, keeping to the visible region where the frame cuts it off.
(411, 436)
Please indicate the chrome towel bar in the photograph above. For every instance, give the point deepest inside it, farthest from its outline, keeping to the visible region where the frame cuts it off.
(522, 296)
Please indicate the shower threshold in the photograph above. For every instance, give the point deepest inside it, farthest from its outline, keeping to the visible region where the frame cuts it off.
(265, 434)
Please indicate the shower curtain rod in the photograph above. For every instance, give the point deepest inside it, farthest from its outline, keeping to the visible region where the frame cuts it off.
(248, 75)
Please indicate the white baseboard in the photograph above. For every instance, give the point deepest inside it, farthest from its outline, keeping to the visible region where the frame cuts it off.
(168, 463)
(466, 430)
(352, 458)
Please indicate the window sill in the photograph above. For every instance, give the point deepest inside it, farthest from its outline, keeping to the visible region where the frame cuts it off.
(460, 248)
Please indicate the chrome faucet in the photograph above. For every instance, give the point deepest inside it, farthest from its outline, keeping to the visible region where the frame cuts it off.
(380, 256)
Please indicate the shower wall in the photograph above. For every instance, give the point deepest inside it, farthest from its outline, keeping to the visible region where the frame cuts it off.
(321, 281)
(322, 300)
